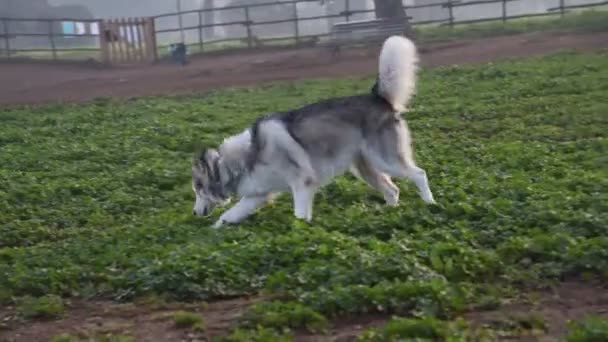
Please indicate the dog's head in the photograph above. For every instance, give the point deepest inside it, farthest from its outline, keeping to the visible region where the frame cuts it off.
(206, 182)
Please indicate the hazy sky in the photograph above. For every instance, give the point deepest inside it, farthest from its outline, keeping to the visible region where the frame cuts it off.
(139, 8)
(134, 8)
(120, 8)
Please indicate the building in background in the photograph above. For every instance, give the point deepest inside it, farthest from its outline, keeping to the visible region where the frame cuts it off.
(42, 9)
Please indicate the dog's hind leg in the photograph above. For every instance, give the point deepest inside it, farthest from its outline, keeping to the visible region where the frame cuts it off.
(244, 208)
(376, 179)
(392, 154)
(419, 177)
(408, 169)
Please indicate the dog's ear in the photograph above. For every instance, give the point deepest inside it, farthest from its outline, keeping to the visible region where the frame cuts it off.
(200, 162)
(211, 154)
(204, 159)
(198, 157)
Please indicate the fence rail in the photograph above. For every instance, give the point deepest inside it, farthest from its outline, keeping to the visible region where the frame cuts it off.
(592, 4)
(81, 45)
(54, 43)
(451, 6)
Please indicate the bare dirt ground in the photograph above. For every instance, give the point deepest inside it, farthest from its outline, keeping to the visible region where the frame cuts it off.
(559, 304)
(43, 83)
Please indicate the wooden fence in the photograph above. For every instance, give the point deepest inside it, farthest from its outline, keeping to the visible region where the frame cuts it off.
(128, 40)
(251, 40)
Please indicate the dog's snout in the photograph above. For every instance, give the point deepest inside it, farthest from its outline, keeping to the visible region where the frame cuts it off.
(201, 212)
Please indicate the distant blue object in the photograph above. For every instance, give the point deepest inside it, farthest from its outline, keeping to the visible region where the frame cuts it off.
(68, 27)
(179, 53)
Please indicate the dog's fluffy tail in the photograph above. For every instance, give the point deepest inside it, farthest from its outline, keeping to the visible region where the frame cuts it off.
(397, 71)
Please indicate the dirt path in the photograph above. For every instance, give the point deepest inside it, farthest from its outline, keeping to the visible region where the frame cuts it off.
(554, 307)
(43, 83)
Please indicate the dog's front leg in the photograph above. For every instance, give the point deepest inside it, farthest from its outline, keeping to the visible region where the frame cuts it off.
(303, 198)
(245, 207)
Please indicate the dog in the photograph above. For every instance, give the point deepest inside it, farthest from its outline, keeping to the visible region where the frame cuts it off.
(302, 150)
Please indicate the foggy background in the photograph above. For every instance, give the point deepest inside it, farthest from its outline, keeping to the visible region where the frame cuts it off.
(87, 9)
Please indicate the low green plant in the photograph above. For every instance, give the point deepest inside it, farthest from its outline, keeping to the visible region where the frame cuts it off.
(531, 321)
(94, 338)
(45, 307)
(412, 329)
(415, 328)
(590, 329)
(188, 320)
(279, 315)
(64, 338)
(258, 334)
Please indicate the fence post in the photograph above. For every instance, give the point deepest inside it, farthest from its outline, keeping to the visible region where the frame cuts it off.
(107, 25)
(562, 5)
(451, 13)
(248, 26)
(504, 11)
(52, 39)
(296, 23)
(105, 35)
(7, 39)
(139, 44)
(200, 31)
(131, 36)
(140, 38)
(180, 21)
(124, 24)
(117, 43)
(151, 38)
(347, 10)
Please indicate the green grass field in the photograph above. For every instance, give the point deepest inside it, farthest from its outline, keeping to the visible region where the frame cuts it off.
(96, 202)
(593, 20)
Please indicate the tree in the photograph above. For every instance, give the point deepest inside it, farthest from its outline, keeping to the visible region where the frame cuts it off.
(390, 10)
(393, 10)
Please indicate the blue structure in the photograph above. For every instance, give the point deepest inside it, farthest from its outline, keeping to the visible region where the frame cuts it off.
(179, 53)
(68, 27)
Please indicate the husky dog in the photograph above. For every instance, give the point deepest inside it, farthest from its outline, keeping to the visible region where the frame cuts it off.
(300, 151)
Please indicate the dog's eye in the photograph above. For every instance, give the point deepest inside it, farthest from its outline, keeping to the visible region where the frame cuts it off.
(198, 185)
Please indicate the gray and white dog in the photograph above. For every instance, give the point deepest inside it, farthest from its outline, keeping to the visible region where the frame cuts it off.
(302, 150)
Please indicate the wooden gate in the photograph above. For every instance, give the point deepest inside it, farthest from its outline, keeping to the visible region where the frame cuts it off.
(128, 41)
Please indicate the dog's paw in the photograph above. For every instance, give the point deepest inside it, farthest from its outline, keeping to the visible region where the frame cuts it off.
(304, 218)
(427, 196)
(429, 199)
(392, 201)
(300, 224)
(304, 215)
(219, 224)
